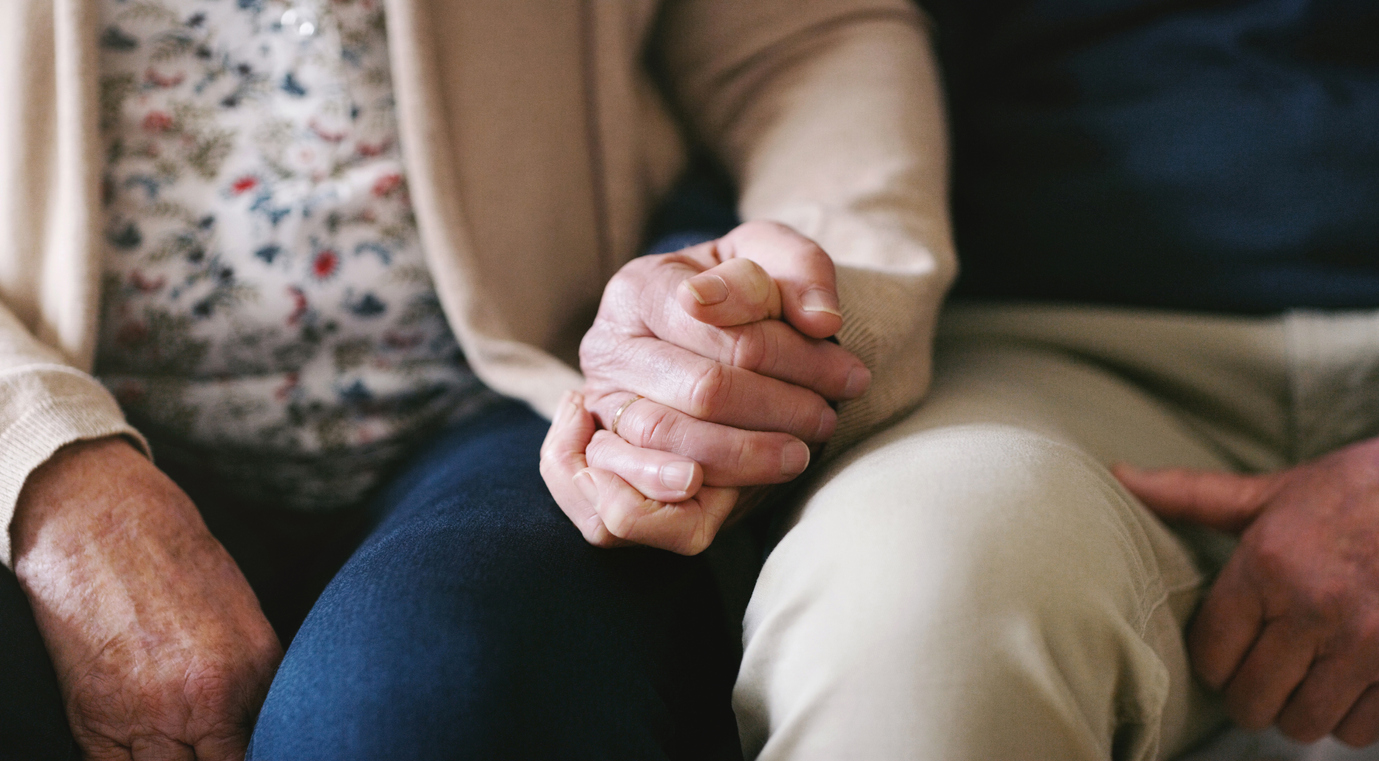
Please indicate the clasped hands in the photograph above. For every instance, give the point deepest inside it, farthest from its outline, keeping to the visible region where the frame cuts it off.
(723, 342)
(714, 364)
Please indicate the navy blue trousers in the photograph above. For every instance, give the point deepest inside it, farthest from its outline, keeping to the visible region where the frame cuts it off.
(473, 622)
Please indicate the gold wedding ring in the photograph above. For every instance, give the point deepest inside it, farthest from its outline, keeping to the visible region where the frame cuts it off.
(613, 429)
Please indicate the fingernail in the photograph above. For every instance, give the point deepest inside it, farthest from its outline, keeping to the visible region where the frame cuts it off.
(820, 300)
(707, 289)
(677, 476)
(858, 382)
(794, 459)
(586, 485)
(827, 423)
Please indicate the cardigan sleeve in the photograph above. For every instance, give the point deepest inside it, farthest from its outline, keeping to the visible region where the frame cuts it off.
(47, 193)
(45, 404)
(828, 115)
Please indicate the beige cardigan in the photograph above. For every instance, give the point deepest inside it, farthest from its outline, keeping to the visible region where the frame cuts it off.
(535, 143)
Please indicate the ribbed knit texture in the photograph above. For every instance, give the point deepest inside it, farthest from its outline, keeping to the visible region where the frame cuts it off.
(42, 409)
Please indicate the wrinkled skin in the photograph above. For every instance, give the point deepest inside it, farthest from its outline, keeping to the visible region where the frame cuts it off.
(160, 647)
(725, 342)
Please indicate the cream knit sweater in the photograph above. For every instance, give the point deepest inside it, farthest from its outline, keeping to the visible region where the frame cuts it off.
(535, 143)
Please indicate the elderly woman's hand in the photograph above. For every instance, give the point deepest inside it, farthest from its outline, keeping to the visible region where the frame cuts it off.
(158, 642)
(708, 371)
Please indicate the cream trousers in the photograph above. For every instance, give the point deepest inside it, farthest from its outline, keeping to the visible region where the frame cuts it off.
(973, 584)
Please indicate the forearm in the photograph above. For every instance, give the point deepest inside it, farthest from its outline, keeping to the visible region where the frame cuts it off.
(154, 634)
(52, 508)
(836, 129)
(45, 404)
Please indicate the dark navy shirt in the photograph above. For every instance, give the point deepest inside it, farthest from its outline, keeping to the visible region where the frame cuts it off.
(1174, 153)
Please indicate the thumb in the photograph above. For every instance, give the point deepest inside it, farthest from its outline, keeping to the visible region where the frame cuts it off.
(736, 292)
(802, 272)
(1215, 499)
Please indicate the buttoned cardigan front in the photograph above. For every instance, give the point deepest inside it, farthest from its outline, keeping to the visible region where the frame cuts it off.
(536, 136)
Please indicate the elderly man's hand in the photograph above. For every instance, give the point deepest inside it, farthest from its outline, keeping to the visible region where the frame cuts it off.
(159, 644)
(1290, 630)
(712, 364)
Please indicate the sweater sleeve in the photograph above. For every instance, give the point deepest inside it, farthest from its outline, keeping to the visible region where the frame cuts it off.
(45, 404)
(828, 114)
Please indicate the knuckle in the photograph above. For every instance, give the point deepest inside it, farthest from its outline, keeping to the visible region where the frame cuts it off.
(623, 354)
(599, 350)
(596, 534)
(214, 690)
(1357, 736)
(567, 463)
(1366, 631)
(1272, 560)
(752, 347)
(755, 274)
(619, 520)
(268, 650)
(555, 464)
(703, 534)
(1324, 601)
(600, 364)
(598, 445)
(768, 227)
(696, 543)
(709, 392)
(744, 452)
(623, 516)
(626, 283)
(803, 245)
(811, 415)
(547, 468)
(744, 348)
(602, 452)
(1304, 723)
(644, 428)
(752, 457)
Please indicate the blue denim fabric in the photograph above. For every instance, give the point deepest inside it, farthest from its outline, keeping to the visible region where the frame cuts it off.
(472, 623)
(476, 623)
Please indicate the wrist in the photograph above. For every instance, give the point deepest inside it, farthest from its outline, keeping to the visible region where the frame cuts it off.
(60, 490)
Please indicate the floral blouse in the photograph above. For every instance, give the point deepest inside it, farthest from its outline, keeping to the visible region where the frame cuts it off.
(267, 312)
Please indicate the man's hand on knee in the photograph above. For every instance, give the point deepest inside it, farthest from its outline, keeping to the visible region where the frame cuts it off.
(709, 371)
(1290, 629)
(160, 646)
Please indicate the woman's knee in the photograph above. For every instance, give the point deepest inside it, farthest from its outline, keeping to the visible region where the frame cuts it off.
(483, 629)
(413, 630)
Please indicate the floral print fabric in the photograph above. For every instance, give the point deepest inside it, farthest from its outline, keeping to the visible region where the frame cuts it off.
(266, 307)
